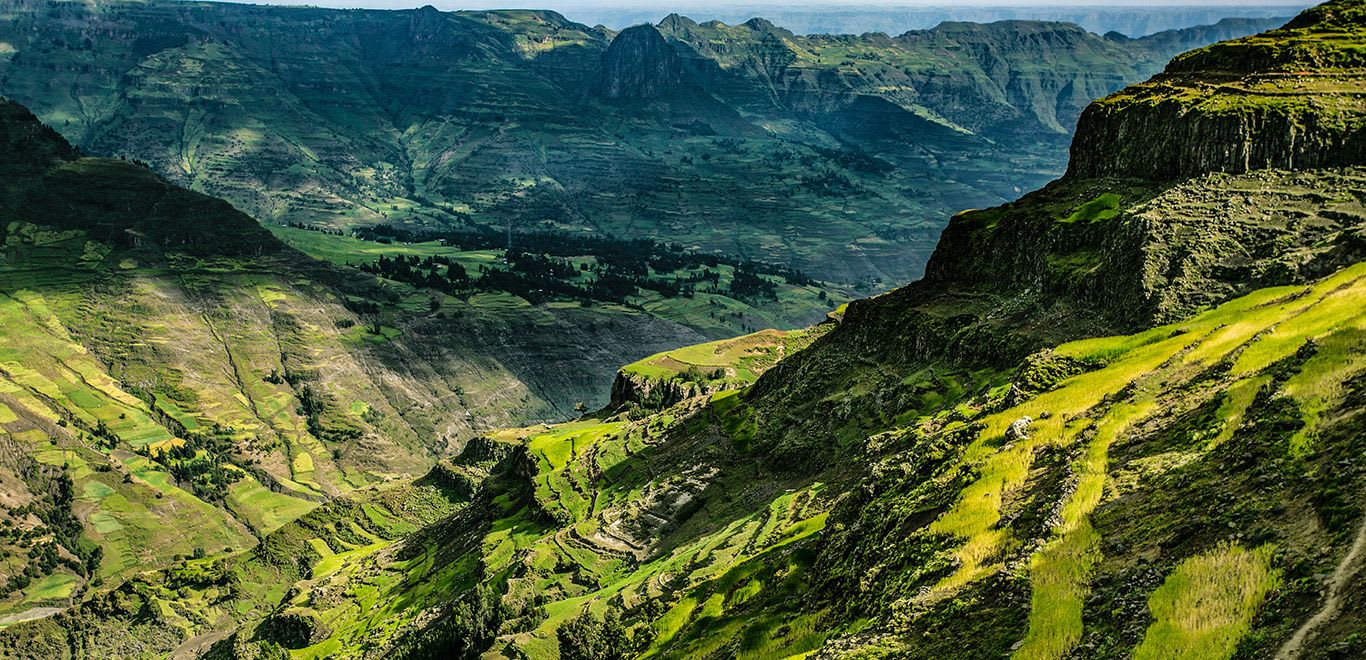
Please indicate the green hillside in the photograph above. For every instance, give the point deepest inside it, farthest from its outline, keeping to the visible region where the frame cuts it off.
(174, 381)
(1123, 416)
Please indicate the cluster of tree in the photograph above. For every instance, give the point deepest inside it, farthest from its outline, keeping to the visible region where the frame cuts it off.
(587, 637)
(464, 630)
(321, 230)
(748, 284)
(439, 273)
(828, 182)
(201, 463)
(54, 495)
(540, 268)
(42, 560)
(627, 254)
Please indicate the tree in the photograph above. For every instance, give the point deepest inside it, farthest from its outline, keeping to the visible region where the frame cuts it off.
(586, 637)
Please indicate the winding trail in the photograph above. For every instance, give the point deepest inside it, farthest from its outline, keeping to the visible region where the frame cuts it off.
(1333, 603)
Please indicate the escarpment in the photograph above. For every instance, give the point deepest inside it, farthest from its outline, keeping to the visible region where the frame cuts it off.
(1292, 98)
(657, 393)
(1184, 192)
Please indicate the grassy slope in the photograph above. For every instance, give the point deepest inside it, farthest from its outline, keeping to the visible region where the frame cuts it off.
(592, 518)
(113, 352)
(870, 495)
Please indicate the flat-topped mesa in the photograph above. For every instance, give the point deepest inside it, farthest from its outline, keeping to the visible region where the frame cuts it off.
(1293, 98)
(639, 64)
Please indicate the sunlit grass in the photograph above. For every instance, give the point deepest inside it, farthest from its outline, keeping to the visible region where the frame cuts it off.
(1060, 573)
(1271, 324)
(1206, 605)
(1340, 299)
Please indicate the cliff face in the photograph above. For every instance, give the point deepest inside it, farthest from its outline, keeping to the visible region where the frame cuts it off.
(1168, 139)
(639, 64)
(1287, 99)
(659, 393)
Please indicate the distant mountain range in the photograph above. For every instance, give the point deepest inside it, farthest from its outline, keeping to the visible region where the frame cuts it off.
(1122, 417)
(1134, 19)
(838, 155)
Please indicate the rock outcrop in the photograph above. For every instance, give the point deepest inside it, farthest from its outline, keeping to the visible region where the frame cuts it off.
(639, 64)
(1287, 99)
(658, 393)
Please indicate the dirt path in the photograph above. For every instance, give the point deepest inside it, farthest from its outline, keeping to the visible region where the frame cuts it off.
(197, 645)
(31, 614)
(1346, 568)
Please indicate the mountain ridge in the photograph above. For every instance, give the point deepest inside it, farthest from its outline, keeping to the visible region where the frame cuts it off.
(197, 91)
(1121, 416)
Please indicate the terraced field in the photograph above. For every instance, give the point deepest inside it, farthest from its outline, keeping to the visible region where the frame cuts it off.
(665, 524)
(1120, 417)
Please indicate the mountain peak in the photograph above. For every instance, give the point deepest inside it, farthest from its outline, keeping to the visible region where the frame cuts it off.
(759, 24)
(677, 21)
(639, 64)
(1346, 14)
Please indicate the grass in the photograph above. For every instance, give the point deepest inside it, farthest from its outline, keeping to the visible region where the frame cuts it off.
(262, 509)
(1206, 605)
(1293, 314)
(56, 587)
(737, 361)
(1060, 573)
(1104, 207)
(1321, 382)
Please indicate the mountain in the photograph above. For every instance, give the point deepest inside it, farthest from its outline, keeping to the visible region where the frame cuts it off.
(891, 18)
(838, 156)
(174, 379)
(1121, 416)
(639, 64)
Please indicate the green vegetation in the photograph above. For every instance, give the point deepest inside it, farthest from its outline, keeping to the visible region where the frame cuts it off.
(1206, 606)
(848, 180)
(1120, 417)
(1101, 208)
(706, 293)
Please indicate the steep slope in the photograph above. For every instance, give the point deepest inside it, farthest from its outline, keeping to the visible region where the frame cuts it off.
(429, 119)
(175, 381)
(1121, 417)
(1287, 99)
(639, 65)
(1000, 499)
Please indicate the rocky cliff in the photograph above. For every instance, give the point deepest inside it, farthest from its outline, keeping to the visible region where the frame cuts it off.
(1288, 99)
(639, 64)
(1116, 246)
(658, 393)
